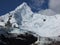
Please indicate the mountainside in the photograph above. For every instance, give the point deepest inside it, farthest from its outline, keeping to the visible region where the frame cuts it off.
(22, 20)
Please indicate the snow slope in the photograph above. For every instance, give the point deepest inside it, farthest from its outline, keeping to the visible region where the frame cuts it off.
(24, 18)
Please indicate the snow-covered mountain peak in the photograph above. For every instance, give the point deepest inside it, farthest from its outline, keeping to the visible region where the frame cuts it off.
(22, 13)
(23, 5)
(25, 19)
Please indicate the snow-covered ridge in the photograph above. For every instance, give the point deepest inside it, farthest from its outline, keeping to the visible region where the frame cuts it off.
(24, 18)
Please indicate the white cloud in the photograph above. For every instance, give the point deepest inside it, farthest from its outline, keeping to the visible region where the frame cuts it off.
(47, 12)
(55, 5)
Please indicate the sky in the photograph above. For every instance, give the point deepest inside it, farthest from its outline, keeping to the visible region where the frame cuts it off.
(9, 5)
(36, 5)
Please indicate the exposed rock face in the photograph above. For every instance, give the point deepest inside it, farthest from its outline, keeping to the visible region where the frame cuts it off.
(14, 41)
(22, 39)
(26, 39)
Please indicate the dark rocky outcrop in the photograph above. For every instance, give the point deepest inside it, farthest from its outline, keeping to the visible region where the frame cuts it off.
(21, 39)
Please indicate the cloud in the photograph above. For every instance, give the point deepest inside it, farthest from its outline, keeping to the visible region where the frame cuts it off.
(47, 12)
(55, 5)
(54, 8)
